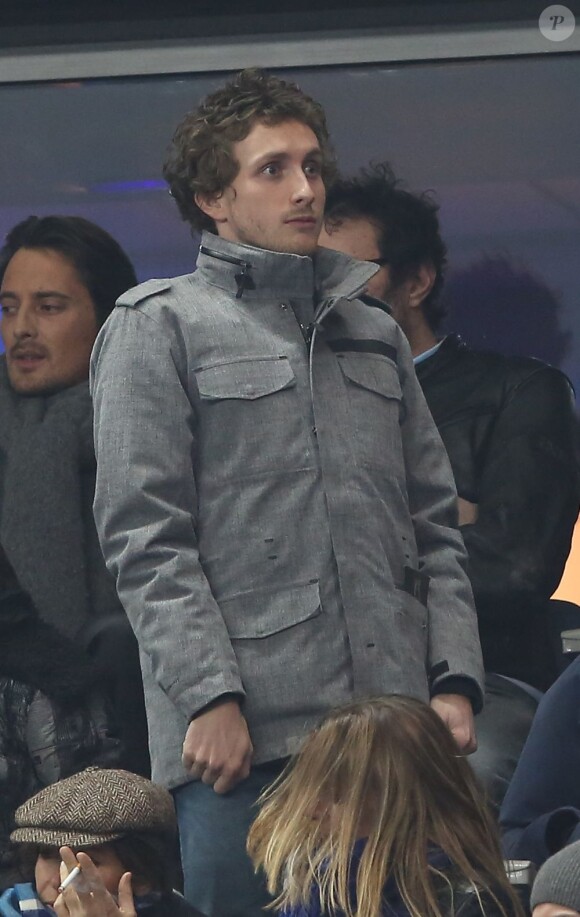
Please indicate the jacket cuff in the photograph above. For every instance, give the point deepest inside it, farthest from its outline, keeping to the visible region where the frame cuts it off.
(460, 684)
(230, 695)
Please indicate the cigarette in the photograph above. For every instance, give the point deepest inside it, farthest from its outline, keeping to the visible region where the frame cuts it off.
(70, 878)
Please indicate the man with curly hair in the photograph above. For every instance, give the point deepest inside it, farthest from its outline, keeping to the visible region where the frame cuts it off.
(272, 495)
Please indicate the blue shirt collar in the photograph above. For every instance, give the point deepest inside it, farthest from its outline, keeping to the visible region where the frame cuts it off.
(427, 353)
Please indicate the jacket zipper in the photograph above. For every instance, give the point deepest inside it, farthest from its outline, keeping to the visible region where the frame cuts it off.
(243, 279)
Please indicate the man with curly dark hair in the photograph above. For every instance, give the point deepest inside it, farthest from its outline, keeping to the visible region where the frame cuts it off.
(272, 496)
(371, 216)
(202, 160)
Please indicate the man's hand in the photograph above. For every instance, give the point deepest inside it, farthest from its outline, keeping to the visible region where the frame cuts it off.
(468, 512)
(457, 713)
(87, 895)
(217, 748)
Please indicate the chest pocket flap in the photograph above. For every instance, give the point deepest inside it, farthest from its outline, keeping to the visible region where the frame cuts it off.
(248, 378)
(373, 372)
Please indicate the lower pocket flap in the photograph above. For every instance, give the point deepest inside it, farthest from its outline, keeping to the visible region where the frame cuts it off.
(260, 613)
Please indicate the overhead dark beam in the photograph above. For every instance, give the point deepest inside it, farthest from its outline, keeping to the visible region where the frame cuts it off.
(45, 22)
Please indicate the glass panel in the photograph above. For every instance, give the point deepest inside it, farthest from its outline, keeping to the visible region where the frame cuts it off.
(497, 141)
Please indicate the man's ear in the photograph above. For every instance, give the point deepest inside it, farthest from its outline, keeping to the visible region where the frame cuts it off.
(420, 284)
(211, 205)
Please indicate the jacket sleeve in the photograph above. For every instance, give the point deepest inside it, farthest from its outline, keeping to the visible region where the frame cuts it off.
(454, 648)
(528, 496)
(146, 507)
(540, 812)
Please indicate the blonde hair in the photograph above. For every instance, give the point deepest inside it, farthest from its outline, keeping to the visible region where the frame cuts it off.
(390, 766)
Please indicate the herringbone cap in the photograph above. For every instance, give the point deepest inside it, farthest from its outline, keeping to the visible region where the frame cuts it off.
(94, 807)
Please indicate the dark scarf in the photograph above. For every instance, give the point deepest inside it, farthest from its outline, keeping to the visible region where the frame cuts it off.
(47, 469)
(35, 654)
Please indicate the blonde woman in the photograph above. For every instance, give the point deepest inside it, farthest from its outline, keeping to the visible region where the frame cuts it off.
(378, 816)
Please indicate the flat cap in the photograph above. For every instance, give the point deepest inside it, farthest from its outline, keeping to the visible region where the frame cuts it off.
(558, 880)
(94, 807)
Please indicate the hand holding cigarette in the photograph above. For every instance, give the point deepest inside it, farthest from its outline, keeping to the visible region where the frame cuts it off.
(70, 878)
(83, 894)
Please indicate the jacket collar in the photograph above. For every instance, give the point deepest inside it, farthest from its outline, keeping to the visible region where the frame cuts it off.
(451, 346)
(252, 274)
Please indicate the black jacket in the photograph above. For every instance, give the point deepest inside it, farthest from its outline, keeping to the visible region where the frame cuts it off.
(509, 427)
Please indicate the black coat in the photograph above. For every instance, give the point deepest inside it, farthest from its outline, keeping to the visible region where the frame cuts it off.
(510, 430)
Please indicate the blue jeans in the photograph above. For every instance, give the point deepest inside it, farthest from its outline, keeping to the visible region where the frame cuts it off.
(219, 879)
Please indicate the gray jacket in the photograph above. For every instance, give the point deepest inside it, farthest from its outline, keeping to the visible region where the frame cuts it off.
(273, 498)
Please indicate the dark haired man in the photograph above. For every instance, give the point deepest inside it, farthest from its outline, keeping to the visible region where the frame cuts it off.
(59, 279)
(271, 493)
(508, 424)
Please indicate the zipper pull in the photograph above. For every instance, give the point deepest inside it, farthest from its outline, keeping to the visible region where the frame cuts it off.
(244, 280)
(310, 330)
